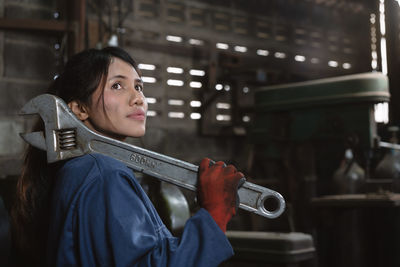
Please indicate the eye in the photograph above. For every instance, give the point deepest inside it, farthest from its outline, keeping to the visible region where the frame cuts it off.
(139, 87)
(116, 86)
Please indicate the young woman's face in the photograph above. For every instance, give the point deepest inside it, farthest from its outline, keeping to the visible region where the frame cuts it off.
(125, 107)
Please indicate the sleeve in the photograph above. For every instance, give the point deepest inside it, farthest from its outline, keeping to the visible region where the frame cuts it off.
(116, 225)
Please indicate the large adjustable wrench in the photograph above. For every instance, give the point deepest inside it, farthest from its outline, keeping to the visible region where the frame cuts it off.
(65, 136)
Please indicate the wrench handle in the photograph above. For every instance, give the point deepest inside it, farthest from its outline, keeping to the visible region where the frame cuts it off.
(255, 198)
(183, 174)
(166, 168)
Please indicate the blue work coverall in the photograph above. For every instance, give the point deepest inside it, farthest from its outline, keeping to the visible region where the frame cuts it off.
(101, 216)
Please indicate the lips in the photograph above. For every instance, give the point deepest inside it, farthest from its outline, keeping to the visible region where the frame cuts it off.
(139, 115)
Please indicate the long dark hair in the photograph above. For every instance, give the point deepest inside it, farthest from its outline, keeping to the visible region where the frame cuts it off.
(82, 75)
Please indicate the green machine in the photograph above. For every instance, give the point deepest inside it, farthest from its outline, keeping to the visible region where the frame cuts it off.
(331, 108)
(300, 133)
(318, 120)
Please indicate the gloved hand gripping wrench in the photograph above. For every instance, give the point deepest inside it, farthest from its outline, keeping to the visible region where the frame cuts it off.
(65, 136)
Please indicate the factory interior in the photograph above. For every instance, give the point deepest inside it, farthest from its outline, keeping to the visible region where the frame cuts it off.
(300, 95)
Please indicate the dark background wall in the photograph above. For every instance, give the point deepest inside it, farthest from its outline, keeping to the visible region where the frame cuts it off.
(28, 61)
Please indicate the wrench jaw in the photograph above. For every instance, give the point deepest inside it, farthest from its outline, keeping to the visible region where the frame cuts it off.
(59, 137)
(35, 139)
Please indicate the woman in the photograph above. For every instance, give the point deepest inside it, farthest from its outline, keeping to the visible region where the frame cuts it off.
(90, 210)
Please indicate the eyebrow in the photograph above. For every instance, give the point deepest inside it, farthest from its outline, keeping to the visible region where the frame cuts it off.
(117, 77)
(138, 80)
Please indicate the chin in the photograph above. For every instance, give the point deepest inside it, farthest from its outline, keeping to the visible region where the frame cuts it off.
(137, 133)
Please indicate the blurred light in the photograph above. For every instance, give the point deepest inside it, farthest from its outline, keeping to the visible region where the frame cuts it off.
(146, 79)
(175, 102)
(314, 60)
(196, 42)
(246, 89)
(374, 64)
(172, 82)
(382, 112)
(300, 58)
(381, 7)
(237, 130)
(151, 100)
(195, 103)
(173, 38)
(113, 41)
(262, 52)
(195, 84)
(222, 117)
(374, 55)
(175, 70)
(383, 38)
(219, 87)
(194, 72)
(151, 113)
(176, 115)
(382, 17)
(227, 87)
(280, 55)
(372, 18)
(241, 49)
(195, 116)
(57, 46)
(384, 56)
(348, 50)
(223, 105)
(222, 46)
(346, 66)
(333, 63)
(143, 66)
(246, 118)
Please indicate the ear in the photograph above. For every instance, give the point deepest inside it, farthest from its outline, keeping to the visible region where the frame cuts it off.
(80, 111)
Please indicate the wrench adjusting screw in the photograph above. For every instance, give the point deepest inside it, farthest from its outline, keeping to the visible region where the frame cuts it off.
(67, 139)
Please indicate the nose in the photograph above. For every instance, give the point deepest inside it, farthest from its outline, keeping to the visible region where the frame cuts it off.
(136, 98)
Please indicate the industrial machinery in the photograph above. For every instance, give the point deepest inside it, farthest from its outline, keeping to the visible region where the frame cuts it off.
(321, 139)
(320, 119)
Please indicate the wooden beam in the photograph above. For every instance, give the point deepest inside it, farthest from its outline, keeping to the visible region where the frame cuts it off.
(52, 26)
(77, 15)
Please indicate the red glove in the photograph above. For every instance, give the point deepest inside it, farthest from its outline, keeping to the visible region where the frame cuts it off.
(217, 190)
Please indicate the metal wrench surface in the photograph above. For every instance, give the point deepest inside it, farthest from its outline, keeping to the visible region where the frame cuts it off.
(65, 136)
